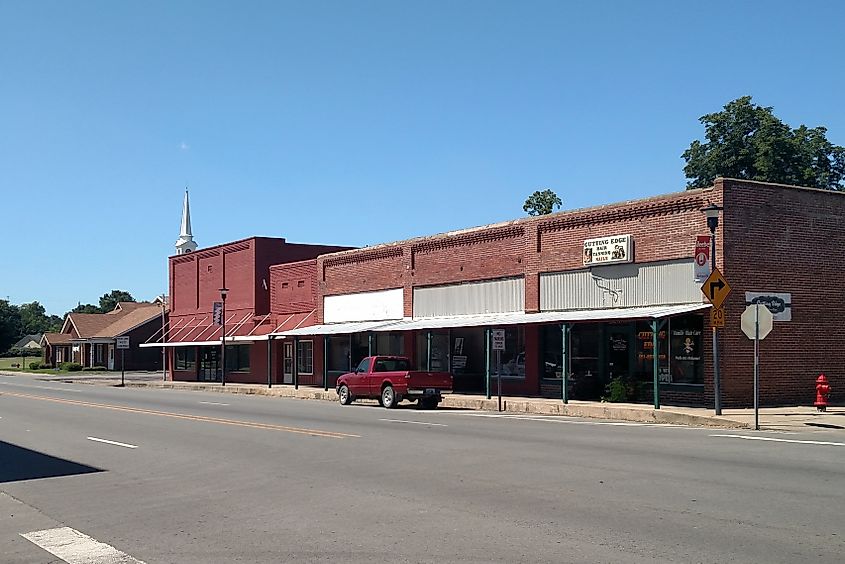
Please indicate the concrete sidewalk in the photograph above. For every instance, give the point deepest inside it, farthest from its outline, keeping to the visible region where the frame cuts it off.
(771, 418)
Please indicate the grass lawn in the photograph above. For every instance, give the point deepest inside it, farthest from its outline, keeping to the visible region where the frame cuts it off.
(6, 363)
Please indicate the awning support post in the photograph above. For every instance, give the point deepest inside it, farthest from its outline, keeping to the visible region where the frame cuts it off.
(487, 359)
(428, 350)
(656, 326)
(565, 356)
(269, 361)
(325, 363)
(370, 343)
(295, 363)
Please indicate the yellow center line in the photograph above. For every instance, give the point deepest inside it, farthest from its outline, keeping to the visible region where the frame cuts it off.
(268, 426)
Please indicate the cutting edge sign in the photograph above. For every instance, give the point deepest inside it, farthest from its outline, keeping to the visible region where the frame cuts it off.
(610, 249)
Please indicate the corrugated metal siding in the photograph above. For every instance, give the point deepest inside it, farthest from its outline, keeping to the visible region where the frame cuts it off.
(623, 285)
(490, 296)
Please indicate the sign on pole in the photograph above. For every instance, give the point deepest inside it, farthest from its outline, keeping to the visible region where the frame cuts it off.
(716, 288)
(499, 346)
(756, 321)
(702, 257)
(217, 313)
(498, 339)
(717, 316)
(779, 303)
(122, 343)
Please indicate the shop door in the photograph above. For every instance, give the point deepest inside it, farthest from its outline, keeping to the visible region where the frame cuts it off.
(620, 349)
(209, 364)
(111, 357)
(287, 371)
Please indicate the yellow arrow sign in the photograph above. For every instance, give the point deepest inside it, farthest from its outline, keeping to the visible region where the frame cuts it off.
(716, 288)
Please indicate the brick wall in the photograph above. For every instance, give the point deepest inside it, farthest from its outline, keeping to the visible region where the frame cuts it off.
(784, 239)
(293, 287)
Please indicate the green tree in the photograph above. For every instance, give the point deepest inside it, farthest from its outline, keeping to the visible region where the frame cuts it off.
(749, 142)
(542, 203)
(85, 308)
(10, 325)
(34, 319)
(108, 301)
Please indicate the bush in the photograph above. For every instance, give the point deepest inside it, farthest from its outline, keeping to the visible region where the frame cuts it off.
(94, 369)
(70, 366)
(43, 365)
(34, 365)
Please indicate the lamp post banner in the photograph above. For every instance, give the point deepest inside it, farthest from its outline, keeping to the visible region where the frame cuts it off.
(702, 257)
(217, 313)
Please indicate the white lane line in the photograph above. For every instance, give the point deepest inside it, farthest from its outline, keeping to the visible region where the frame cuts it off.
(41, 387)
(774, 440)
(213, 403)
(553, 419)
(414, 422)
(111, 442)
(77, 548)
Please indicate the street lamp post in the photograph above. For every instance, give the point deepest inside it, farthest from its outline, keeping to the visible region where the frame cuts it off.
(223, 292)
(712, 212)
(163, 297)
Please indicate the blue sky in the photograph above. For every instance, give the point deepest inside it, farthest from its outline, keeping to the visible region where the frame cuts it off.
(360, 122)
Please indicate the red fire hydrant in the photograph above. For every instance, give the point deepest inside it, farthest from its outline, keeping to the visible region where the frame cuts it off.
(822, 391)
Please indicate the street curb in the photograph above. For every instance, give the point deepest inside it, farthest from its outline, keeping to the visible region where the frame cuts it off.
(605, 411)
(539, 407)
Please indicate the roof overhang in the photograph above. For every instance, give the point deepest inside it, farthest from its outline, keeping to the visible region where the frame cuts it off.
(499, 319)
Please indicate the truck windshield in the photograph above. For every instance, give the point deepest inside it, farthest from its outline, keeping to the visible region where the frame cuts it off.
(392, 365)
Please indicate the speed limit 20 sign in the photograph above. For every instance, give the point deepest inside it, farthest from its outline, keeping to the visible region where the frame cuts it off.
(717, 317)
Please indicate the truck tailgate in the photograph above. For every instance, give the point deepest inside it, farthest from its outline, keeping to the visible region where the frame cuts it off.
(437, 380)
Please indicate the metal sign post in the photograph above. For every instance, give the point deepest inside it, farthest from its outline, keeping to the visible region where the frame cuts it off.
(756, 323)
(499, 346)
(122, 345)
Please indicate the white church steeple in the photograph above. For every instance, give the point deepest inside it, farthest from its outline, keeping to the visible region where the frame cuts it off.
(185, 244)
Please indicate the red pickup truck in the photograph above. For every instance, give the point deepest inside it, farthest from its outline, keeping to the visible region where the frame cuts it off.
(390, 380)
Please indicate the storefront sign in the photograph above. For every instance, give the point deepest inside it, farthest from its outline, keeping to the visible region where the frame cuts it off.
(702, 257)
(613, 249)
(780, 304)
(459, 362)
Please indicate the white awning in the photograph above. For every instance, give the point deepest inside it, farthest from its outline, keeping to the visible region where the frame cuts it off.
(580, 315)
(498, 319)
(337, 328)
(201, 343)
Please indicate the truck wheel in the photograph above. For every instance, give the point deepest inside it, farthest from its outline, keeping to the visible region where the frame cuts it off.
(344, 396)
(388, 397)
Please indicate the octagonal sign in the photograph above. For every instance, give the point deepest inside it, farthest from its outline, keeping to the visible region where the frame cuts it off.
(762, 316)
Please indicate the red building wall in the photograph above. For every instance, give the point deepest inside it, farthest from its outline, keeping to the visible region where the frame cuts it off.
(785, 239)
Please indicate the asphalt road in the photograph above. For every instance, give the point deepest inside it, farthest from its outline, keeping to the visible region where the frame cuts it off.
(228, 478)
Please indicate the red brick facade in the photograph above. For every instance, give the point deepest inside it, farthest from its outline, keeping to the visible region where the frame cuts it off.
(770, 238)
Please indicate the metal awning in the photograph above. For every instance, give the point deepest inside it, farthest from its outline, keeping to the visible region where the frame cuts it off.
(499, 319)
(195, 343)
(337, 328)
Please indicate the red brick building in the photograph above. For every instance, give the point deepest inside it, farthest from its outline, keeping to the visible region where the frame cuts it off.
(265, 295)
(568, 306)
(587, 294)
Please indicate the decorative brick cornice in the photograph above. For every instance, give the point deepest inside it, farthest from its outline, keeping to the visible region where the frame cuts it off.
(363, 255)
(464, 239)
(623, 213)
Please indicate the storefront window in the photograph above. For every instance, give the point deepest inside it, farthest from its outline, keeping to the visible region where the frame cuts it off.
(513, 357)
(339, 353)
(389, 344)
(551, 360)
(439, 351)
(686, 345)
(237, 358)
(186, 358)
(305, 357)
(644, 370)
